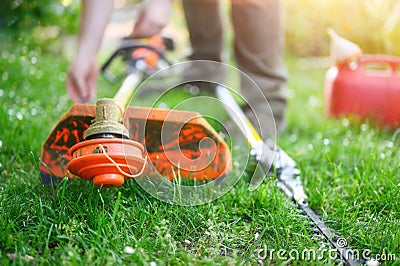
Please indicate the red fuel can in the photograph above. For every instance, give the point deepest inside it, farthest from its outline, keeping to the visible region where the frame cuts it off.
(366, 88)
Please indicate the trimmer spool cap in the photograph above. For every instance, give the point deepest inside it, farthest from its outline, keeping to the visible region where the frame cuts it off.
(107, 162)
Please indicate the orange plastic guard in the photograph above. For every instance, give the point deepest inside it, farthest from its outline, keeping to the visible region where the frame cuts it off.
(179, 141)
(175, 141)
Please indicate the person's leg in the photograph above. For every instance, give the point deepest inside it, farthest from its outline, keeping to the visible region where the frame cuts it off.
(205, 28)
(204, 25)
(206, 36)
(258, 47)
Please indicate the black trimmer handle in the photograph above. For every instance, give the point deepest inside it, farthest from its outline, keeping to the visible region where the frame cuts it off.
(150, 51)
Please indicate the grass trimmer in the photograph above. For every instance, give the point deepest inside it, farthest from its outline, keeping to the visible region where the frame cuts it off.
(112, 149)
(109, 142)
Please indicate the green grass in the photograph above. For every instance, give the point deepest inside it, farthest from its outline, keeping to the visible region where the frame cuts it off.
(350, 173)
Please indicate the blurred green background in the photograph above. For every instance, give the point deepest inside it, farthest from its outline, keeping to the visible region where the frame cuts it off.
(372, 24)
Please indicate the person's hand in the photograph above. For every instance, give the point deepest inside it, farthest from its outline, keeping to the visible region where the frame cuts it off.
(81, 80)
(153, 16)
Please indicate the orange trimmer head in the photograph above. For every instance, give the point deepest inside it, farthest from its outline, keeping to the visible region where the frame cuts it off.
(110, 142)
(175, 143)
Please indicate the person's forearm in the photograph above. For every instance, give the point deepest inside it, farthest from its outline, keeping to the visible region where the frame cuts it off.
(94, 18)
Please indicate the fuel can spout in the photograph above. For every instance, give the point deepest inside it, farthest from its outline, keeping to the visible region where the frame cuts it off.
(343, 50)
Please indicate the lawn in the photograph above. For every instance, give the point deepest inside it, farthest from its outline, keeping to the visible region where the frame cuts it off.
(349, 170)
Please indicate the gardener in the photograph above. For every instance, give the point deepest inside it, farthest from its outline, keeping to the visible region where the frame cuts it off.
(258, 45)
